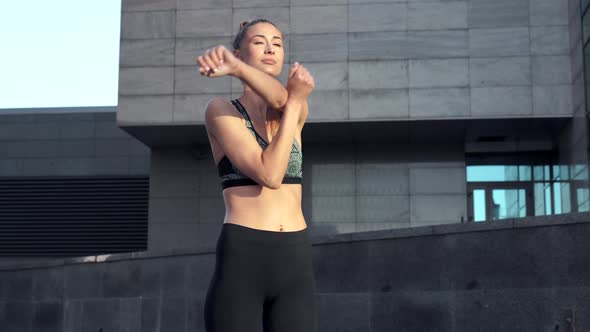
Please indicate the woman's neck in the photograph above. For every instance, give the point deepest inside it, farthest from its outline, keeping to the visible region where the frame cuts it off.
(255, 103)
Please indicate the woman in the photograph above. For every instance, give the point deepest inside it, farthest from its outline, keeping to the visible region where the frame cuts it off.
(263, 271)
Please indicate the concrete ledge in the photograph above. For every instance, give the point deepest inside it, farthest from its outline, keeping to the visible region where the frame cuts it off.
(518, 223)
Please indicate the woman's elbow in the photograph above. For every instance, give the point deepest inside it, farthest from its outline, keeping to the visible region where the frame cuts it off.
(274, 186)
(281, 100)
(272, 182)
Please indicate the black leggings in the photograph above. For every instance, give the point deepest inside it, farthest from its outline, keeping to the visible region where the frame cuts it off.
(263, 280)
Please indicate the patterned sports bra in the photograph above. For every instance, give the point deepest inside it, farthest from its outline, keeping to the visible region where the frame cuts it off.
(232, 177)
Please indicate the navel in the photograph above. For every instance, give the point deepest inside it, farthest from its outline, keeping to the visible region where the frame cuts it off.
(281, 229)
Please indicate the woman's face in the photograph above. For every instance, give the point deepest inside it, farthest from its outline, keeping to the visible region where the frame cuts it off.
(262, 48)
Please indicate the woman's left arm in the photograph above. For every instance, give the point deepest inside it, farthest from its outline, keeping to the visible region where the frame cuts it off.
(303, 114)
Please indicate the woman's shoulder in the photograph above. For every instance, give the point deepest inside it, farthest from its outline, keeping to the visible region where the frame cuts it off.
(221, 113)
(218, 106)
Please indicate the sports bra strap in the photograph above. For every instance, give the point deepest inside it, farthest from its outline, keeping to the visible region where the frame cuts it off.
(243, 111)
(249, 124)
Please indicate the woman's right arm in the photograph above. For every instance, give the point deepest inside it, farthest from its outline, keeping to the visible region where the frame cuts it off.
(267, 167)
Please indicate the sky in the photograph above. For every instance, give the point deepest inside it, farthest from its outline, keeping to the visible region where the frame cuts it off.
(59, 53)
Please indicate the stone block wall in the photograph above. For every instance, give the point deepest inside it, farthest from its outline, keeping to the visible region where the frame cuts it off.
(68, 144)
(399, 59)
(48, 143)
(511, 275)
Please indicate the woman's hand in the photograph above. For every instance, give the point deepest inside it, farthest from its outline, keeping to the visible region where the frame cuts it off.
(218, 61)
(300, 82)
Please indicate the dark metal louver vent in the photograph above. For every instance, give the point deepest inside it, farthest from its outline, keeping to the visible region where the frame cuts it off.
(73, 216)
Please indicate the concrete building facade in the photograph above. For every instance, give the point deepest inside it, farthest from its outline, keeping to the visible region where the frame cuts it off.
(409, 94)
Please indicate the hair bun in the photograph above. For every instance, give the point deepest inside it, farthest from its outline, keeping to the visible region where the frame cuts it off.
(243, 24)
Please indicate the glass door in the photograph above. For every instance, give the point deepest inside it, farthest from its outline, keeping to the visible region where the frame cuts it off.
(580, 196)
(496, 201)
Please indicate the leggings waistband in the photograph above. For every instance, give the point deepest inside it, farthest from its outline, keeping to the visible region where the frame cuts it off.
(251, 235)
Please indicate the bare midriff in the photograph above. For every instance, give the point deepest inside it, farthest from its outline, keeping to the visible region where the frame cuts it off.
(263, 208)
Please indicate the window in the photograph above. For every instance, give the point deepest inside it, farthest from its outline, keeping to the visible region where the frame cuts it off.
(514, 191)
